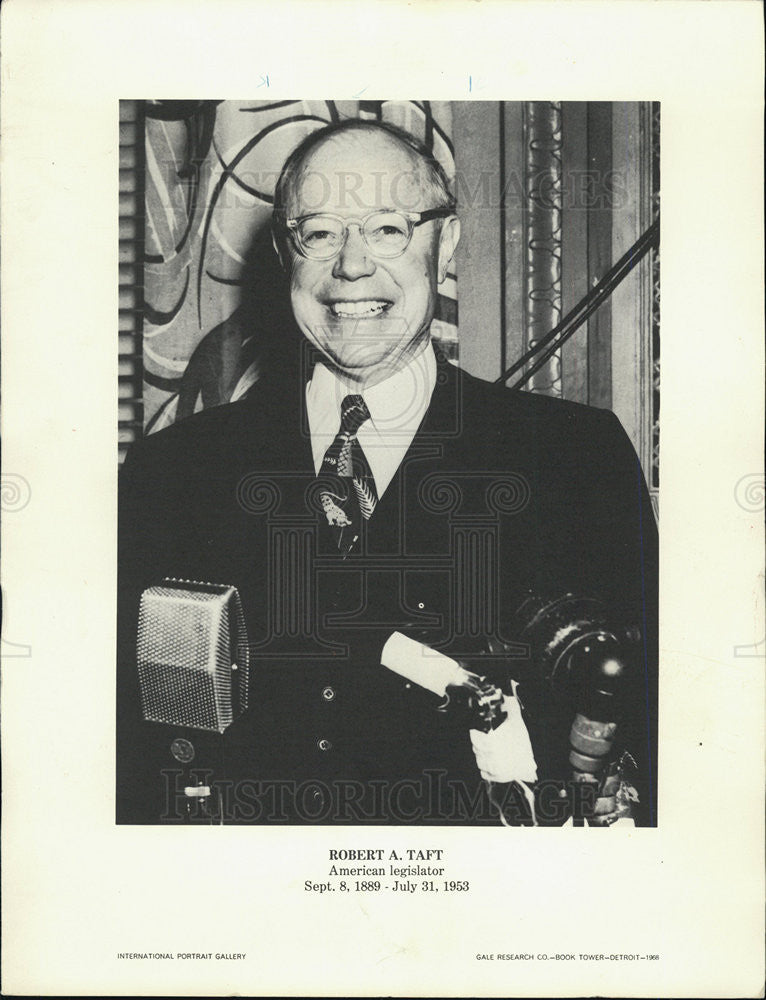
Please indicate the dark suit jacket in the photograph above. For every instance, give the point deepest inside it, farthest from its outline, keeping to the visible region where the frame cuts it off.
(500, 493)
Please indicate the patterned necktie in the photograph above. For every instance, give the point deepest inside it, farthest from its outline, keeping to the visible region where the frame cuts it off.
(349, 495)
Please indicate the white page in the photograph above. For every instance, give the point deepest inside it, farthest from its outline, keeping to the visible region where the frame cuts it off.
(77, 889)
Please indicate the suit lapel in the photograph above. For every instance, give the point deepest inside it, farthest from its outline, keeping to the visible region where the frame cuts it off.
(277, 415)
(400, 509)
(277, 429)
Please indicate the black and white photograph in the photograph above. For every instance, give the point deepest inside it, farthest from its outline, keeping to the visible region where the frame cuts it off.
(388, 554)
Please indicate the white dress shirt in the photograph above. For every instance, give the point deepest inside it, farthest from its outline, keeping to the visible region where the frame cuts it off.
(397, 405)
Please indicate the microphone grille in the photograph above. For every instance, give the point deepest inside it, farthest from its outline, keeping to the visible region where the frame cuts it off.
(193, 657)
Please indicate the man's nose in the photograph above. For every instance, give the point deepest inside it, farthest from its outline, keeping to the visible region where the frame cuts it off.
(354, 260)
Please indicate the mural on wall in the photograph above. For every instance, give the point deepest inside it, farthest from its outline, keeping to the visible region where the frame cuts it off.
(214, 300)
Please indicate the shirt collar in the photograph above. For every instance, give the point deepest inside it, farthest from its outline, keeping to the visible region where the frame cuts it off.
(397, 406)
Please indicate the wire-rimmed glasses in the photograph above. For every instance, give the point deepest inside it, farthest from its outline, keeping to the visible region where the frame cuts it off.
(387, 233)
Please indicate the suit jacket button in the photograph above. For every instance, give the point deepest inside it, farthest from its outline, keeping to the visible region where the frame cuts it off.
(328, 693)
(324, 744)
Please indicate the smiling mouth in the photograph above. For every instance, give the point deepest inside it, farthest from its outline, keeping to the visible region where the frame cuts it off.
(362, 309)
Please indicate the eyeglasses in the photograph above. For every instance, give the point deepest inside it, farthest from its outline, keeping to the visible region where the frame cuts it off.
(386, 233)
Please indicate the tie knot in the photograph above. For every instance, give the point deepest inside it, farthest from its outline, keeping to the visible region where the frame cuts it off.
(353, 413)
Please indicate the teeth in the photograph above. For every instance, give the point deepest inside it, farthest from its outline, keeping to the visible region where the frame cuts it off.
(363, 308)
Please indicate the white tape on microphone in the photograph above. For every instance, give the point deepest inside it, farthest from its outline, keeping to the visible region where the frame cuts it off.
(421, 664)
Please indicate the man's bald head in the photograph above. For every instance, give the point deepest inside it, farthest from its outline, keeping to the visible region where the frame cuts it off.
(425, 169)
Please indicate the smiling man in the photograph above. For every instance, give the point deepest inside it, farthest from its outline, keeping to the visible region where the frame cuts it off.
(371, 229)
(365, 227)
(388, 521)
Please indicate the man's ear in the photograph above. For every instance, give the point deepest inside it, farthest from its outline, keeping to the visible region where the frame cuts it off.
(448, 241)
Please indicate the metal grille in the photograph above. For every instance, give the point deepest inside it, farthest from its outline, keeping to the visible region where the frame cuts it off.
(193, 656)
(178, 696)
